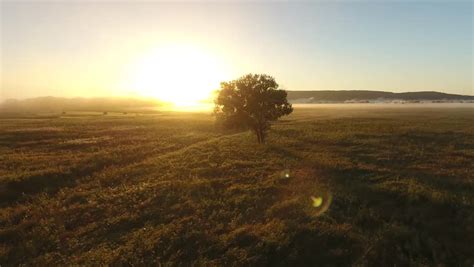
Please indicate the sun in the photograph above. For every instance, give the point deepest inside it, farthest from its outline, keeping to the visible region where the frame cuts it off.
(184, 75)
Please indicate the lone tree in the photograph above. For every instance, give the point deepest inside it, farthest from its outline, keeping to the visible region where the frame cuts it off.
(251, 102)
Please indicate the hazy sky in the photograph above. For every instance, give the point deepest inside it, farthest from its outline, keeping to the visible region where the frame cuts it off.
(86, 48)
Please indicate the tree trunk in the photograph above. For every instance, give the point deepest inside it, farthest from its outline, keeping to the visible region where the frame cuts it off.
(259, 135)
(262, 136)
(259, 130)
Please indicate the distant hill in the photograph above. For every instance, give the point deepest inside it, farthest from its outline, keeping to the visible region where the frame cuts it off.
(57, 104)
(356, 95)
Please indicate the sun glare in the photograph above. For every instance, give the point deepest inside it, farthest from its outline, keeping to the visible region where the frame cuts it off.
(180, 74)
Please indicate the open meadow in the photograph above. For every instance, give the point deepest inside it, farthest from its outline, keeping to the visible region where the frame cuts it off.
(333, 185)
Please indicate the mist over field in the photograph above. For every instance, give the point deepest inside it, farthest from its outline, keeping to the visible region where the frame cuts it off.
(120, 104)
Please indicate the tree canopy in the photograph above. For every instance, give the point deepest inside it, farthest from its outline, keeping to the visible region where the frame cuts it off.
(251, 102)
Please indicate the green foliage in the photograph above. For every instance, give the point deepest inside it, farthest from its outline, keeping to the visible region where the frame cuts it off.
(171, 189)
(251, 102)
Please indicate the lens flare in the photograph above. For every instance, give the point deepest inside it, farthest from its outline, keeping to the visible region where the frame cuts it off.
(320, 201)
(285, 174)
(317, 201)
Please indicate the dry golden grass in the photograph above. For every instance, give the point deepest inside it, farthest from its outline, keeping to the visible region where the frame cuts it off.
(171, 188)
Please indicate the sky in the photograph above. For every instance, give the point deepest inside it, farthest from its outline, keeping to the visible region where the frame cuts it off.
(128, 48)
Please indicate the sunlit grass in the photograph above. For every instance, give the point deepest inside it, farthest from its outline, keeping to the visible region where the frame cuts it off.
(331, 186)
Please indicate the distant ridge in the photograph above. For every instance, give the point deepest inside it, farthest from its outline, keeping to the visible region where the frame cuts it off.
(356, 95)
(60, 104)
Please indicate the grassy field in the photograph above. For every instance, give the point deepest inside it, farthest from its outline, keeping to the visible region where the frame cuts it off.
(395, 186)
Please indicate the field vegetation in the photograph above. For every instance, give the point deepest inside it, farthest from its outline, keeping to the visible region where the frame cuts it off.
(396, 186)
